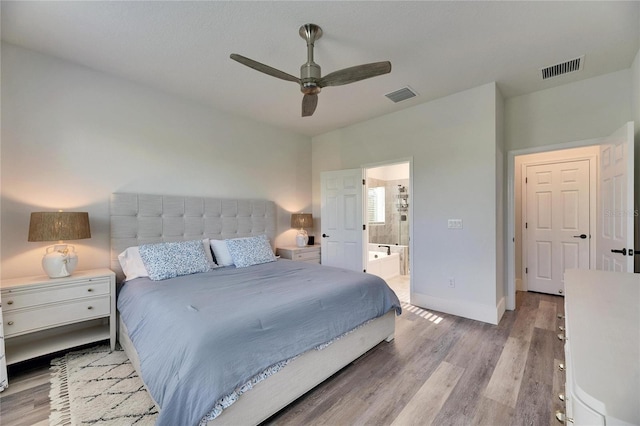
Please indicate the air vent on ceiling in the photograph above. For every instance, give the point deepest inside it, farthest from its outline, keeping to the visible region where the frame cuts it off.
(402, 94)
(572, 65)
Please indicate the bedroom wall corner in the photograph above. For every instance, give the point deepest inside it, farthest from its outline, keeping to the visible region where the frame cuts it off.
(452, 142)
(71, 136)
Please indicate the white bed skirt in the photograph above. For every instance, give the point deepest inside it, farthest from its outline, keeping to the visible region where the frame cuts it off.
(296, 378)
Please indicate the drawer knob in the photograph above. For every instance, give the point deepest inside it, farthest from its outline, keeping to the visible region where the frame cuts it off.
(9, 302)
(561, 337)
(561, 328)
(10, 323)
(89, 290)
(90, 307)
(560, 316)
(561, 367)
(561, 397)
(562, 418)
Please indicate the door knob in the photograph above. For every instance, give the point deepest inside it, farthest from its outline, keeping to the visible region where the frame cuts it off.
(583, 236)
(325, 236)
(623, 251)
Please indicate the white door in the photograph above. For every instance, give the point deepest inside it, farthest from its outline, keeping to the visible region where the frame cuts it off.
(557, 223)
(342, 219)
(615, 213)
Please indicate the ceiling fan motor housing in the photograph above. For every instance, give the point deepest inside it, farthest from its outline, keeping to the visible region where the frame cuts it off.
(309, 75)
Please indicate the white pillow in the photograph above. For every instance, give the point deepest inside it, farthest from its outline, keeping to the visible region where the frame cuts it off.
(250, 251)
(221, 252)
(132, 264)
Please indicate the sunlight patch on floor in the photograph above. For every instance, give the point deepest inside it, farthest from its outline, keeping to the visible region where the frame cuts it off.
(422, 313)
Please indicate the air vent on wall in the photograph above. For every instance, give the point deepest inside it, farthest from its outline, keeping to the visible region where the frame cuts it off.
(402, 94)
(572, 65)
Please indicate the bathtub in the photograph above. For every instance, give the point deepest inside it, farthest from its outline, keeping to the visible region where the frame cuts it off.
(383, 265)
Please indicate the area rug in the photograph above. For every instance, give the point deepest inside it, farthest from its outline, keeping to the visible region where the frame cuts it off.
(98, 387)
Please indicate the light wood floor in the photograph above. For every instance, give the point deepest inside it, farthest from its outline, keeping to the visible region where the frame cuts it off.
(440, 370)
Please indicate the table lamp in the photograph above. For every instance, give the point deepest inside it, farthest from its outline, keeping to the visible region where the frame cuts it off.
(301, 220)
(60, 260)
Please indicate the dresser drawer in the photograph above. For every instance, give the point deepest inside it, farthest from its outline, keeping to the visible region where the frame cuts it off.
(27, 320)
(25, 298)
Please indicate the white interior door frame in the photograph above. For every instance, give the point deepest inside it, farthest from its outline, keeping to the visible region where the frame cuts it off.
(411, 188)
(593, 182)
(511, 208)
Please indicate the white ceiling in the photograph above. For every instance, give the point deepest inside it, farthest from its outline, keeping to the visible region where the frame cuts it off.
(437, 48)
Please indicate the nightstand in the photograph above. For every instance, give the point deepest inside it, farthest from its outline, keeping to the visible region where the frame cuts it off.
(42, 315)
(310, 254)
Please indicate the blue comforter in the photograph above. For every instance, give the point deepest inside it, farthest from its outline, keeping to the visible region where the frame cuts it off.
(200, 336)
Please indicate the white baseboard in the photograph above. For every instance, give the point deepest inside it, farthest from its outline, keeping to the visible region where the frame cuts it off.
(462, 308)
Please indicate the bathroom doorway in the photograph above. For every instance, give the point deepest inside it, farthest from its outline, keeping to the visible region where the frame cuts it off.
(387, 213)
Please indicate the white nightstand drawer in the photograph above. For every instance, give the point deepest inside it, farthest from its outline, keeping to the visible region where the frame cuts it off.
(24, 298)
(307, 255)
(310, 254)
(29, 320)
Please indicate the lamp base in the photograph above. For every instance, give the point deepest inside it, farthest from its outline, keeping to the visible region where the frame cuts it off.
(60, 261)
(302, 238)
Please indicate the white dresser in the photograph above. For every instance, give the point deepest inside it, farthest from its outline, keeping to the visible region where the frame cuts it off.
(310, 254)
(3, 361)
(42, 315)
(602, 348)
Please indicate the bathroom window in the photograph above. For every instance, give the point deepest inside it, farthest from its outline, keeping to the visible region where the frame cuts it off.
(376, 204)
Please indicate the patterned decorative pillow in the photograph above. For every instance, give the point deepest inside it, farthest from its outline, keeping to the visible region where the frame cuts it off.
(170, 260)
(250, 251)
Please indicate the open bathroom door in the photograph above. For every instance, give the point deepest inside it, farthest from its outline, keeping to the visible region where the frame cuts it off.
(342, 219)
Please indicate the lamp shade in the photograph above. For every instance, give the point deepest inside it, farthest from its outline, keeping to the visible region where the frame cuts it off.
(58, 226)
(301, 220)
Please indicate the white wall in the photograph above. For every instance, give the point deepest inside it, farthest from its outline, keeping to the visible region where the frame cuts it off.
(453, 145)
(71, 136)
(586, 109)
(501, 185)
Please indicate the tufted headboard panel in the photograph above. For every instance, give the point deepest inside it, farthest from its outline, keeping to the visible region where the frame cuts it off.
(144, 218)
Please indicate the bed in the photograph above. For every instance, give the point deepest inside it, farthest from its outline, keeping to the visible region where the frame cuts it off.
(143, 219)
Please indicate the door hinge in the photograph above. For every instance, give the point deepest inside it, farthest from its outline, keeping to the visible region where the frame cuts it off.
(363, 182)
(526, 225)
(526, 180)
(526, 270)
(364, 227)
(364, 270)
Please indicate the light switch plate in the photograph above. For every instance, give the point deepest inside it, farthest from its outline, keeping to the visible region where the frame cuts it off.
(454, 224)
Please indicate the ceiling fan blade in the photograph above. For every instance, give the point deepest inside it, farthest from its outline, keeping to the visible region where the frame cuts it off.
(264, 68)
(309, 104)
(353, 74)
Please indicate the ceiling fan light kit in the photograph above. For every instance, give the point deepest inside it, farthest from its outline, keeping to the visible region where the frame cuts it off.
(311, 80)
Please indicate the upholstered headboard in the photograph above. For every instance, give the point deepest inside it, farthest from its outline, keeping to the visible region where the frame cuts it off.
(144, 218)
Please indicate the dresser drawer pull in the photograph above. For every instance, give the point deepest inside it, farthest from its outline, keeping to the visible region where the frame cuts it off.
(562, 418)
(90, 307)
(561, 327)
(10, 323)
(561, 367)
(561, 337)
(561, 397)
(560, 316)
(9, 302)
(89, 290)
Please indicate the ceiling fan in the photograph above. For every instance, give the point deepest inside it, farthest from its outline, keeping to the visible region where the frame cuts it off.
(310, 80)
